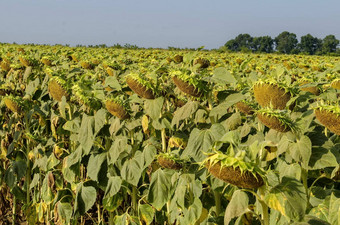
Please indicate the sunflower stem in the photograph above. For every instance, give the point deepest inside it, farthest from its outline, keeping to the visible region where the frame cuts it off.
(111, 218)
(163, 133)
(265, 214)
(14, 210)
(217, 196)
(304, 174)
(134, 200)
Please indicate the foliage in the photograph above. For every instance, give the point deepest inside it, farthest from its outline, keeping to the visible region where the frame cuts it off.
(106, 136)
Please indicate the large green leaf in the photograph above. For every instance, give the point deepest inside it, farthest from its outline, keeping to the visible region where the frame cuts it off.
(237, 206)
(192, 213)
(95, 164)
(113, 186)
(64, 211)
(153, 107)
(201, 140)
(334, 210)
(146, 213)
(160, 188)
(289, 198)
(223, 76)
(184, 112)
(113, 83)
(86, 135)
(301, 151)
(85, 198)
(322, 157)
(222, 108)
(99, 120)
(72, 125)
(119, 146)
(311, 220)
(132, 169)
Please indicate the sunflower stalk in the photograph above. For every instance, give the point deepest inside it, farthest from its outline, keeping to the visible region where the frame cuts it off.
(14, 212)
(134, 188)
(163, 133)
(217, 197)
(265, 214)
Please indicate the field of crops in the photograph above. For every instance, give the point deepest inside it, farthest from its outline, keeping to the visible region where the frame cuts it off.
(119, 136)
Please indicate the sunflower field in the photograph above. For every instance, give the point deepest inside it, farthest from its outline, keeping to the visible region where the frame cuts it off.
(151, 136)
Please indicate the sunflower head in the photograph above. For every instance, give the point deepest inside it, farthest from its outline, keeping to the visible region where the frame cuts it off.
(15, 104)
(141, 85)
(276, 119)
(118, 106)
(57, 88)
(169, 161)
(188, 82)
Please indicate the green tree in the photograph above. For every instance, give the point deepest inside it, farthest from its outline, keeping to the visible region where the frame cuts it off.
(286, 42)
(263, 44)
(310, 44)
(329, 44)
(241, 42)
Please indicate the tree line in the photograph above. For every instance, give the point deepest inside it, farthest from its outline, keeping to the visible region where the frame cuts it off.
(286, 43)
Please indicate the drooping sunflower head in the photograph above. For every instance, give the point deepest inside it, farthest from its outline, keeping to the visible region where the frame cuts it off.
(273, 94)
(118, 106)
(15, 104)
(57, 88)
(46, 60)
(87, 64)
(276, 119)
(170, 161)
(82, 93)
(336, 83)
(234, 170)
(141, 85)
(329, 115)
(202, 62)
(188, 82)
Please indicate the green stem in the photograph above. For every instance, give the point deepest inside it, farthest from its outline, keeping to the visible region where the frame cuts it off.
(304, 176)
(265, 214)
(111, 218)
(99, 215)
(134, 200)
(217, 196)
(168, 211)
(28, 175)
(163, 132)
(14, 210)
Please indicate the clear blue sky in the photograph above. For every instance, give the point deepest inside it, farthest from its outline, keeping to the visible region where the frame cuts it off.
(160, 23)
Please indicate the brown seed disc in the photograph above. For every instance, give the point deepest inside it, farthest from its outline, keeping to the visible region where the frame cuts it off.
(186, 87)
(270, 94)
(178, 58)
(168, 163)
(139, 89)
(204, 63)
(56, 90)
(272, 123)
(116, 110)
(329, 120)
(244, 108)
(235, 177)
